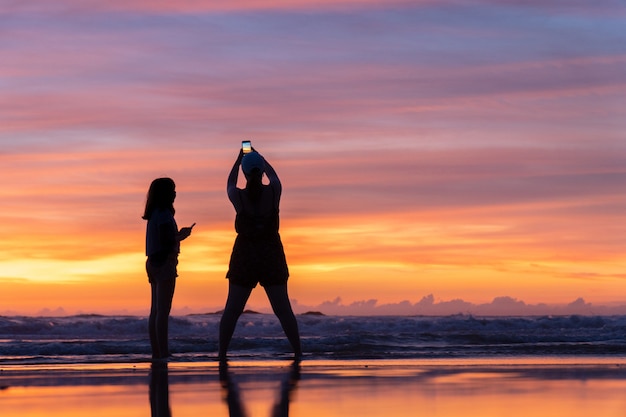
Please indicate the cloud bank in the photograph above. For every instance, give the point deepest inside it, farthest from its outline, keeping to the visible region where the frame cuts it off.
(428, 306)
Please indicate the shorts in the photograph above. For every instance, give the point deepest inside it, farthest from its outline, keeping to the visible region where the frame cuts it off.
(255, 261)
(163, 272)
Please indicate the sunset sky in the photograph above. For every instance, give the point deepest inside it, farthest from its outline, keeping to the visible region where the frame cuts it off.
(464, 150)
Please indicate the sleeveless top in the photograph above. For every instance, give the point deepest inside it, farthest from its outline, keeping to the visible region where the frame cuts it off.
(251, 224)
(257, 226)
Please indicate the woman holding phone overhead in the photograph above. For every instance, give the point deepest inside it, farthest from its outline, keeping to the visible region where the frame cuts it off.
(258, 256)
(162, 248)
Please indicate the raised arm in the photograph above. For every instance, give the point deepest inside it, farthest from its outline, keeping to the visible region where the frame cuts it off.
(231, 185)
(272, 176)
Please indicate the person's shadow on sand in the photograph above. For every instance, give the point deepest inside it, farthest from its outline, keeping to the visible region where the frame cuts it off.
(159, 391)
(280, 408)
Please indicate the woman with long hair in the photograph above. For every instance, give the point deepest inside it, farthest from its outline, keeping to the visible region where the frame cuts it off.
(162, 248)
(258, 255)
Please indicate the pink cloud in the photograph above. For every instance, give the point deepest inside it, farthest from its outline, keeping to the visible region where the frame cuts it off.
(199, 6)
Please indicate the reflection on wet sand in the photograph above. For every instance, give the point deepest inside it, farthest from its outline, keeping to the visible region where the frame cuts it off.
(159, 391)
(233, 398)
(329, 389)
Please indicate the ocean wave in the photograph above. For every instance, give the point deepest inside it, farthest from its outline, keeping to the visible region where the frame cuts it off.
(94, 338)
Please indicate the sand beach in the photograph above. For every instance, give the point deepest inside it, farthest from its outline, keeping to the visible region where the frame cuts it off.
(479, 387)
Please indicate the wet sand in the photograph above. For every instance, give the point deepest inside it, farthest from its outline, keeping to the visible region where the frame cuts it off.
(504, 387)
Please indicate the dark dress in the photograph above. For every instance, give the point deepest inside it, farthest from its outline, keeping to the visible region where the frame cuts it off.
(258, 255)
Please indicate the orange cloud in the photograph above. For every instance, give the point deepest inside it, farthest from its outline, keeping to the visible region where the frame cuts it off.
(394, 225)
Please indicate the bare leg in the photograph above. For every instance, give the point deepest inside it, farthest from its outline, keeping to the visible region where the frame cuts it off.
(279, 299)
(162, 295)
(237, 298)
(154, 344)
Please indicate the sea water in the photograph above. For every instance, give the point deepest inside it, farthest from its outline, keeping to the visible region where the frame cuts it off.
(194, 338)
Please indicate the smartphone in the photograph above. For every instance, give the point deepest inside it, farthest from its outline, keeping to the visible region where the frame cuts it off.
(246, 145)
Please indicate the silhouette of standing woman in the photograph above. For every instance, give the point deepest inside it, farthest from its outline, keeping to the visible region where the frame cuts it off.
(162, 248)
(258, 255)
